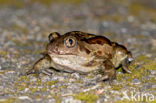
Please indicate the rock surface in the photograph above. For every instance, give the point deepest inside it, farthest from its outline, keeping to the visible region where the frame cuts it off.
(24, 29)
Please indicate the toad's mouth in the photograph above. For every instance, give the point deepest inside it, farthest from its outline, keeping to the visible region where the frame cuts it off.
(56, 52)
(53, 51)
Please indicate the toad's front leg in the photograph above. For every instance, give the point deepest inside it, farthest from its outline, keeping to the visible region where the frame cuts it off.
(109, 71)
(41, 64)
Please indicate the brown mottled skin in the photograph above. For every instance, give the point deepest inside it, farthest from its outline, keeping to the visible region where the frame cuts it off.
(82, 52)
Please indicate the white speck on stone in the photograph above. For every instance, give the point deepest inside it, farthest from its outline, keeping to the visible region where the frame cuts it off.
(153, 72)
(76, 75)
(71, 80)
(70, 99)
(130, 18)
(92, 88)
(11, 72)
(124, 30)
(26, 89)
(18, 65)
(105, 99)
(153, 86)
(2, 100)
(24, 97)
(33, 79)
(114, 92)
(136, 81)
(105, 24)
(45, 78)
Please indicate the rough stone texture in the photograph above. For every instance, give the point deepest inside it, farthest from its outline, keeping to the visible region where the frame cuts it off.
(24, 30)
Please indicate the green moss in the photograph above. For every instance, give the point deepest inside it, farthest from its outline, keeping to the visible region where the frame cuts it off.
(19, 28)
(3, 53)
(58, 100)
(124, 76)
(135, 8)
(24, 78)
(1, 72)
(139, 73)
(21, 84)
(145, 64)
(117, 87)
(45, 2)
(43, 89)
(78, 81)
(88, 98)
(142, 58)
(37, 51)
(17, 3)
(20, 87)
(38, 82)
(49, 83)
(115, 18)
(17, 42)
(121, 2)
(10, 100)
(64, 86)
(125, 101)
(91, 76)
(49, 2)
(150, 66)
(21, 3)
(33, 90)
(152, 80)
(153, 101)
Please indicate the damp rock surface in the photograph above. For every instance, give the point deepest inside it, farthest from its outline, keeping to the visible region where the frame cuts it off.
(24, 29)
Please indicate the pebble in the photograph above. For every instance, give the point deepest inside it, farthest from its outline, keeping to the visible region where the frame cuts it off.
(24, 97)
(69, 99)
(153, 72)
(136, 81)
(75, 75)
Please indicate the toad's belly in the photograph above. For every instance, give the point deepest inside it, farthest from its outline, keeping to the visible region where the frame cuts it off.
(73, 65)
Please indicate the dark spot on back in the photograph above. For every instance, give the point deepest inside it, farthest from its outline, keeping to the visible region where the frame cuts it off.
(87, 51)
(99, 53)
(118, 45)
(98, 40)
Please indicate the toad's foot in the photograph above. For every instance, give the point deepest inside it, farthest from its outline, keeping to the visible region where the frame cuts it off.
(125, 64)
(38, 67)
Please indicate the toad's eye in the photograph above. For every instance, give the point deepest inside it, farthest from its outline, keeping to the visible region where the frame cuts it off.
(70, 42)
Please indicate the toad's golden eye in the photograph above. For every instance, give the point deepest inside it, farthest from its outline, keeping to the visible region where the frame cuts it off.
(70, 42)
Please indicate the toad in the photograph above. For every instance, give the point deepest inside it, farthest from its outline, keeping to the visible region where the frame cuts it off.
(82, 52)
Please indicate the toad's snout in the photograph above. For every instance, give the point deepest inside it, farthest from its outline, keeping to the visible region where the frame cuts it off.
(52, 49)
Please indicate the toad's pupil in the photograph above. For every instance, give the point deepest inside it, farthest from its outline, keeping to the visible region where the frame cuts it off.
(70, 41)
